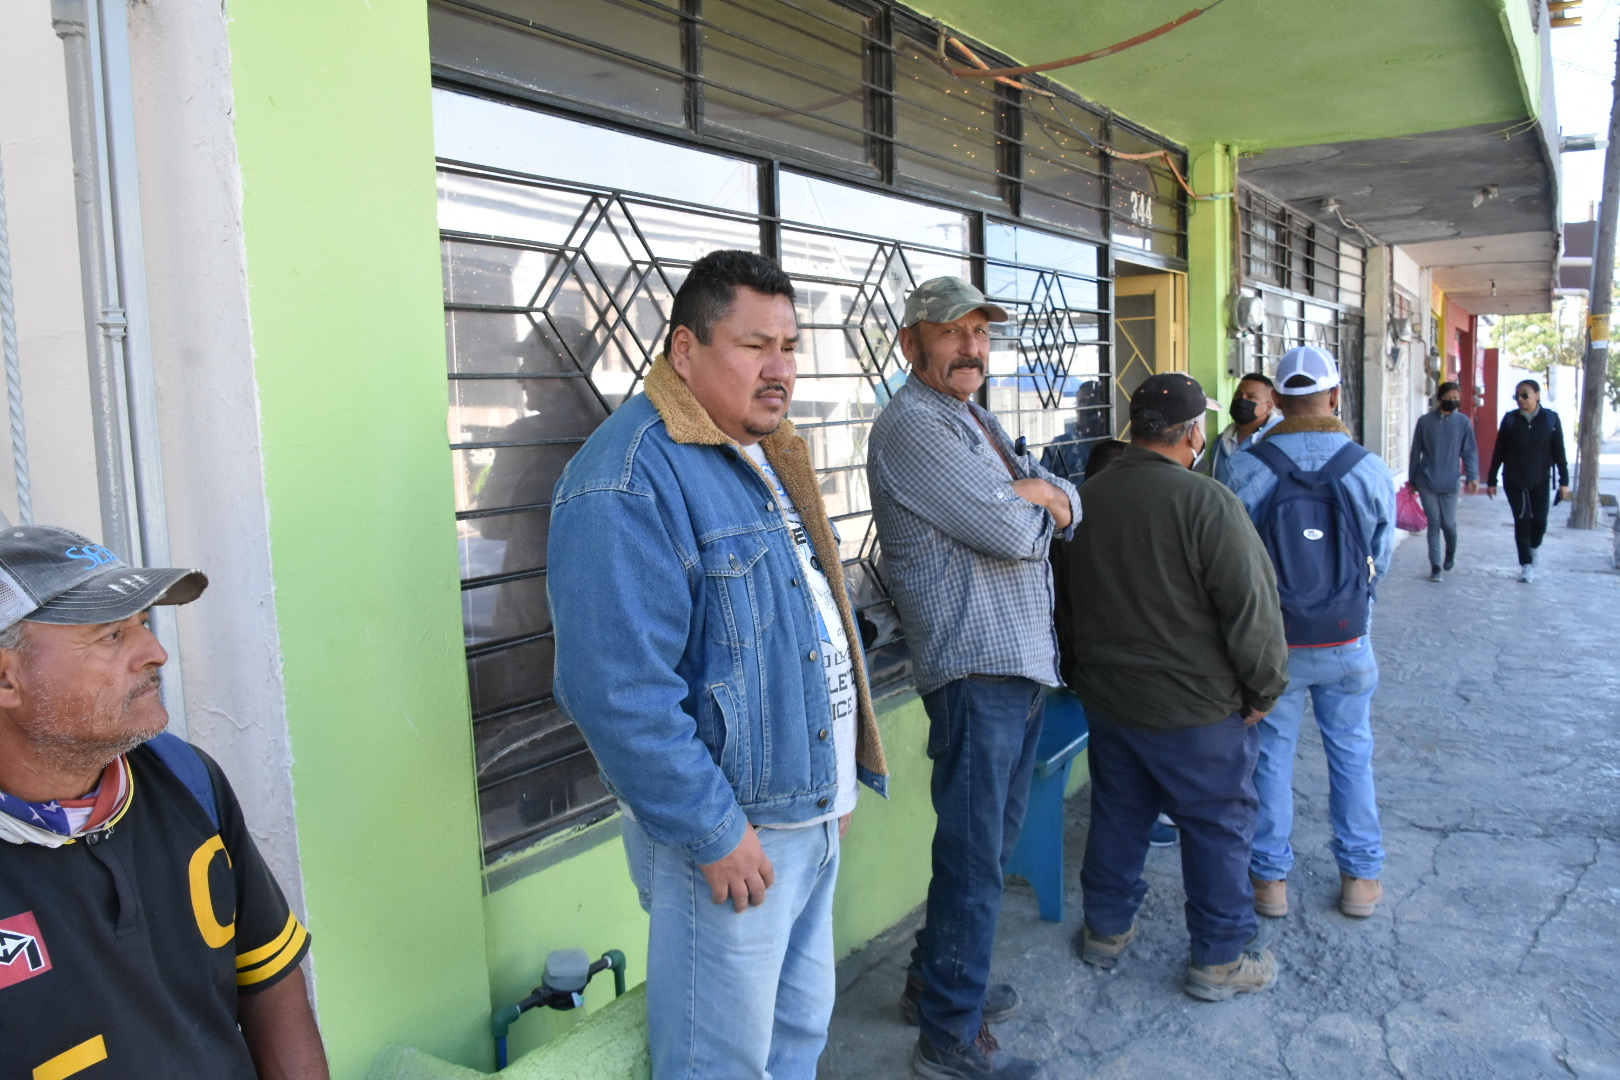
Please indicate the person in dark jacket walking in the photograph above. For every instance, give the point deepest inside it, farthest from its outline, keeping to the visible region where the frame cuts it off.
(1442, 439)
(1529, 445)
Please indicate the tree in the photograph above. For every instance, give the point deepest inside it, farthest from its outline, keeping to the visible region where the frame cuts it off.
(1537, 342)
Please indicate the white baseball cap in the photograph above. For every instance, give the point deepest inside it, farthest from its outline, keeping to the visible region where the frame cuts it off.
(1306, 370)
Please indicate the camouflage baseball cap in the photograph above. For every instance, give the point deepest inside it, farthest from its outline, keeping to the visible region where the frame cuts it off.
(946, 299)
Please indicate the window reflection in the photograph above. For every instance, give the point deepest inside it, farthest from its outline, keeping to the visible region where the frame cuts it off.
(788, 74)
(525, 49)
(468, 128)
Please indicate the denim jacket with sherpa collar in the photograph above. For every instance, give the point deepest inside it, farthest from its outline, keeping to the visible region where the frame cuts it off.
(687, 645)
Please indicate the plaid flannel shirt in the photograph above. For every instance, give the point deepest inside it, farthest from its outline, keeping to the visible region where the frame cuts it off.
(964, 557)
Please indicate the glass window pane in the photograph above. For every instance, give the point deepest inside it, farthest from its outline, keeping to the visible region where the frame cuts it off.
(1063, 170)
(789, 74)
(1147, 198)
(945, 127)
(808, 200)
(565, 792)
(528, 52)
(510, 676)
(492, 133)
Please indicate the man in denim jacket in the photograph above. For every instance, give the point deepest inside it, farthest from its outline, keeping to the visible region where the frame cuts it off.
(1341, 677)
(707, 649)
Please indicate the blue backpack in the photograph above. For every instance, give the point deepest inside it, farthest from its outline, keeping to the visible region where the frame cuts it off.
(1325, 570)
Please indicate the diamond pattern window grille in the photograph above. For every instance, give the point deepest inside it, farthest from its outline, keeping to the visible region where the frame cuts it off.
(557, 291)
(556, 303)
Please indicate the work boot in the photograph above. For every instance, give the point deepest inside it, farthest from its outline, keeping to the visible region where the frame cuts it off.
(1001, 1001)
(966, 1061)
(1102, 950)
(1270, 897)
(1255, 970)
(1359, 896)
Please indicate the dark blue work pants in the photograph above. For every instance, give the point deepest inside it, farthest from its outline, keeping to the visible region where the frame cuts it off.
(1203, 777)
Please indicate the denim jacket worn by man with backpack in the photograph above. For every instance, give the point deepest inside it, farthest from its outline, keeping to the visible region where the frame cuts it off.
(1340, 678)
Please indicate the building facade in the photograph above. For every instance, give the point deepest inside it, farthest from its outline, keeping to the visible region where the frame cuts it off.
(311, 226)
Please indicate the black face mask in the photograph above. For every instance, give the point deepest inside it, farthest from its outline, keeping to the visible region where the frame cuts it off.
(1447, 405)
(1243, 410)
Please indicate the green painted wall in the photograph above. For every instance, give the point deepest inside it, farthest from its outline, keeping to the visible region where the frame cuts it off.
(1264, 74)
(588, 901)
(1210, 234)
(884, 867)
(336, 151)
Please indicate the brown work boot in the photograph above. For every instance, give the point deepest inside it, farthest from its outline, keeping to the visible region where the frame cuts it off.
(1270, 897)
(1359, 896)
(1102, 950)
(1255, 970)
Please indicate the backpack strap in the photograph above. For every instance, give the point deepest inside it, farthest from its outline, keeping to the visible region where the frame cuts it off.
(1339, 465)
(1273, 456)
(187, 765)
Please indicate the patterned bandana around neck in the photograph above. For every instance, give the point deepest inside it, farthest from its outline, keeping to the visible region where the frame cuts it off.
(106, 801)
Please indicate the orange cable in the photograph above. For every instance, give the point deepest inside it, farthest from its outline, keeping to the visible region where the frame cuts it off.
(1097, 54)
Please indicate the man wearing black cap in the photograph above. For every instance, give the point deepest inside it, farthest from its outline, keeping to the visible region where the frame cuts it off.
(1178, 650)
(139, 926)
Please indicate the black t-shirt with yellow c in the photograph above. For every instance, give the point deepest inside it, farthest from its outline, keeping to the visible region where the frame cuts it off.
(122, 953)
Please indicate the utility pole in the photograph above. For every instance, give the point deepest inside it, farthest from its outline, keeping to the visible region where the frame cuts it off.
(1584, 515)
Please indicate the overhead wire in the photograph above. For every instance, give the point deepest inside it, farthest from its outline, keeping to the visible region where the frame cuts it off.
(1007, 76)
(1095, 54)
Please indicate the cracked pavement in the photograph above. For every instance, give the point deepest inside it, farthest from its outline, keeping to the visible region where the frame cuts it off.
(1496, 951)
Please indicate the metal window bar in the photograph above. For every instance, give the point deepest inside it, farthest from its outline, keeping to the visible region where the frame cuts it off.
(891, 25)
(512, 756)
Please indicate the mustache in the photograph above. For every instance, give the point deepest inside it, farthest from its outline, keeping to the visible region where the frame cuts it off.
(153, 681)
(776, 387)
(968, 362)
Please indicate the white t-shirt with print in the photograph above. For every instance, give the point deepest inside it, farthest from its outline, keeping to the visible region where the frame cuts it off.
(836, 663)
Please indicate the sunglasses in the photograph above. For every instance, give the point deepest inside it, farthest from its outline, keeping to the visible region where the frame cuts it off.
(1523, 395)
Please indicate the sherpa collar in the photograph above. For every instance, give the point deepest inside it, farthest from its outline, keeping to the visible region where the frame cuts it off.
(1296, 424)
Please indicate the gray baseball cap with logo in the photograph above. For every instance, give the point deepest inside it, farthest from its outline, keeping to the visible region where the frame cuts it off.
(52, 575)
(946, 299)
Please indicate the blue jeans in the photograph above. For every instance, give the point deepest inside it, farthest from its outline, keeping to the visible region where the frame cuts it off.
(734, 994)
(1202, 777)
(1341, 680)
(982, 733)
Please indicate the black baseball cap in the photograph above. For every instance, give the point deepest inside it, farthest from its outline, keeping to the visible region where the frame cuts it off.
(51, 575)
(1167, 399)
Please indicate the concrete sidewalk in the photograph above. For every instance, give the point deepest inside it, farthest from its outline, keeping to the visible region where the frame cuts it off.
(1496, 952)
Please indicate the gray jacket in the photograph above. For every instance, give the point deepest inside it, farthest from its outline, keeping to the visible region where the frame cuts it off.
(1439, 443)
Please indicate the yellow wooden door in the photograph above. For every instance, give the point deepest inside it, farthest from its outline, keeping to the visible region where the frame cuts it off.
(1150, 334)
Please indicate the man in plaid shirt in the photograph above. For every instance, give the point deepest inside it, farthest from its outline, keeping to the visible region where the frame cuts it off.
(964, 523)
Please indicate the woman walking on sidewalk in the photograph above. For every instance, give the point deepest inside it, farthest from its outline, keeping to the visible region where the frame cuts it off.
(1529, 445)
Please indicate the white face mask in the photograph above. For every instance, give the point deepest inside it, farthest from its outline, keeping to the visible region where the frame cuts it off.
(1198, 457)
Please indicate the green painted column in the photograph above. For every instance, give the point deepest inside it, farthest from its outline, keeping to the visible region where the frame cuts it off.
(335, 144)
(1211, 234)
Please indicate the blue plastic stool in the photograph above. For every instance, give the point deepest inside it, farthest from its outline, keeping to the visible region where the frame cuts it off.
(1039, 855)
